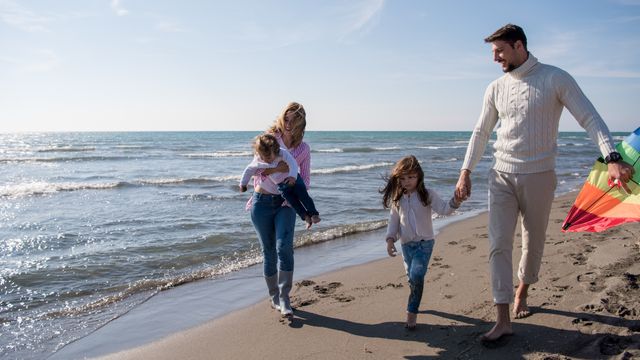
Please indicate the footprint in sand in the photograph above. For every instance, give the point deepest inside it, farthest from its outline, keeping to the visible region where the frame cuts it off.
(328, 289)
(305, 302)
(582, 321)
(469, 248)
(591, 281)
(395, 286)
(579, 259)
(452, 243)
(587, 277)
(592, 308)
(344, 298)
(305, 283)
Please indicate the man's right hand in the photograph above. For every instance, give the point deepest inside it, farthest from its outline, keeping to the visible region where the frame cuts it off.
(463, 187)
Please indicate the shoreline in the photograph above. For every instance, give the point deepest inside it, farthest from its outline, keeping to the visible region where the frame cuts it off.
(585, 306)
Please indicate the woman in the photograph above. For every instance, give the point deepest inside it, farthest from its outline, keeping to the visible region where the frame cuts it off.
(272, 218)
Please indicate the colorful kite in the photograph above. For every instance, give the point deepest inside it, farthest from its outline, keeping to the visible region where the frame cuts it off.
(602, 204)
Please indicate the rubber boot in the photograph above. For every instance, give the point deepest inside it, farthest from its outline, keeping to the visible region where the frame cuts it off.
(285, 282)
(274, 293)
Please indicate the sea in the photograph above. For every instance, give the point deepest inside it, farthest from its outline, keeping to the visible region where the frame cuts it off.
(94, 224)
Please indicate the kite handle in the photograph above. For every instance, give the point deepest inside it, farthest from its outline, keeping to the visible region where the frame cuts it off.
(617, 183)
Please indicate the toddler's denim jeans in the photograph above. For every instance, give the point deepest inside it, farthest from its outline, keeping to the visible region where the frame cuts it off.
(298, 197)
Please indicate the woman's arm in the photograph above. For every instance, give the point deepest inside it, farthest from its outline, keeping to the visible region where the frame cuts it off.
(282, 167)
(302, 153)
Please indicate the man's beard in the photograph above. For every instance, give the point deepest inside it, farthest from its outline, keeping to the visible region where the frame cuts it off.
(510, 68)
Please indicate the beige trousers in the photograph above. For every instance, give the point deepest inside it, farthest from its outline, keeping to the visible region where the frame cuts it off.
(510, 196)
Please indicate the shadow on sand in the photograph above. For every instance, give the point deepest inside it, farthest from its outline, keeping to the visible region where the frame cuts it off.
(460, 339)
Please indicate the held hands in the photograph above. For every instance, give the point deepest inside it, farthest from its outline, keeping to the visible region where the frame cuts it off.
(463, 187)
(243, 188)
(391, 247)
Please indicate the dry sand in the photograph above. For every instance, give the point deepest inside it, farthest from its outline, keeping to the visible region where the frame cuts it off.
(585, 306)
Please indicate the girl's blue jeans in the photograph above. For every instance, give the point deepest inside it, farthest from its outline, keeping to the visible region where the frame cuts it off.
(274, 225)
(416, 255)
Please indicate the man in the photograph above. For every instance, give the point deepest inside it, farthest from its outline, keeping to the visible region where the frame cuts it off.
(528, 100)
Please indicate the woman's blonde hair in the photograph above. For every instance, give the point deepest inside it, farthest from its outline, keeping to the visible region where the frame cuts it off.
(298, 126)
(393, 190)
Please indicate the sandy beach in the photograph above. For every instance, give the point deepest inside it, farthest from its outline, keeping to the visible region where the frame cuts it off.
(585, 306)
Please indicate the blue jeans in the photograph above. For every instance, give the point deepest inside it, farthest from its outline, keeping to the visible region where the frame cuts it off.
(416, 255)
(298, 197)
(274, 225)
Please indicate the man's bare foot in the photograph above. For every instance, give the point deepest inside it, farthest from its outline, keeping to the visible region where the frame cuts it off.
(498, 331)
(520, 308)
(315, 219)
(412, 318)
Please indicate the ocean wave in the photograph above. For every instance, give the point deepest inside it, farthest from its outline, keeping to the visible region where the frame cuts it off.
(209, 197)
(442, 147)
(320, 236)
(66, 149)
(172, 181)
(43, 188)
(571, 144)
(220, 154)
(62, 159)
(350, 168)
(133, 147)
(358, 149)
(333, 150)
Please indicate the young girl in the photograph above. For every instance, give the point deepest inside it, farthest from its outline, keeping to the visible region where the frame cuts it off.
(411, 204)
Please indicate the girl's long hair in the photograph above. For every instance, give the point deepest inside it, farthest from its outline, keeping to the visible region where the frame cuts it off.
(393, 190)
(298, 126)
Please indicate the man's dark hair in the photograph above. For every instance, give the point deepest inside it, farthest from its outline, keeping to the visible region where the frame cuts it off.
(509, 33)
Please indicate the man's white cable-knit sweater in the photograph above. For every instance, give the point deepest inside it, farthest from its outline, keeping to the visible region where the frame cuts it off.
(528, 101)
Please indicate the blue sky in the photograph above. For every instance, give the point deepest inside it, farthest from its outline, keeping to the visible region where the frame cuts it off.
(355, 65)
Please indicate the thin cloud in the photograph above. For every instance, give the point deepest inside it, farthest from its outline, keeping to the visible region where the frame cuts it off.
(42, 60)
(118, 8)
(169, 27)
(628, 2)
(572, 52)
(22, 18)
(625, 19)
(559, 46)
(604, 71)
(48, 60)
(363, 18)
